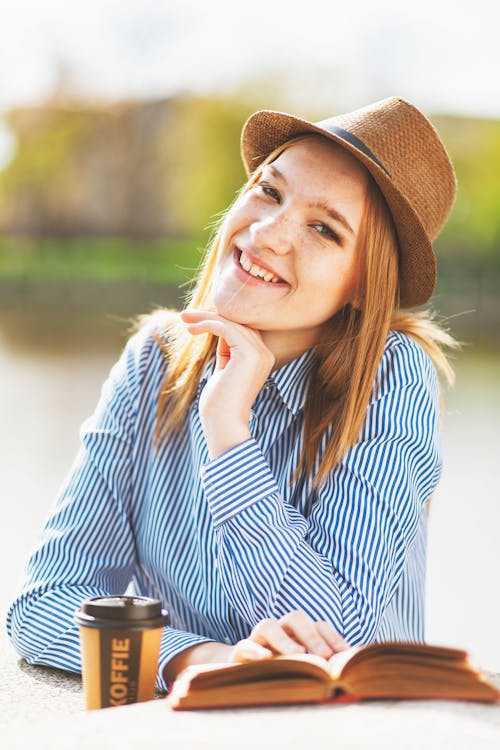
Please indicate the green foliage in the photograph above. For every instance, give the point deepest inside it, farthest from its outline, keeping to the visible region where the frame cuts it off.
(202, 149)
(111, 259)
(166, 168)
(474, 225)
(43, 144)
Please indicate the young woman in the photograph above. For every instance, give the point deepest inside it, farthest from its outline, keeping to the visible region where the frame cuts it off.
(263, 461)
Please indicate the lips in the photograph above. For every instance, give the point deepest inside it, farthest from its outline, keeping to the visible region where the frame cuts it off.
(257, 269)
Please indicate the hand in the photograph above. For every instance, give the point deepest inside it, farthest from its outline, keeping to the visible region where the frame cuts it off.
(294, 633)
(242, 366)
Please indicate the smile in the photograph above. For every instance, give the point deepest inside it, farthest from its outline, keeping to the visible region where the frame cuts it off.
(257, 271)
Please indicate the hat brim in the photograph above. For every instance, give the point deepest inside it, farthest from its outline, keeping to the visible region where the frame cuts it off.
(266, 130)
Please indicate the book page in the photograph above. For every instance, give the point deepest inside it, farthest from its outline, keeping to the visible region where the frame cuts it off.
(208, 676)
(337, 662)
(398, 670)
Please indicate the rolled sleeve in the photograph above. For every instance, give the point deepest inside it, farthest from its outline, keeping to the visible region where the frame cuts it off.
(237, 479)
(174, 642)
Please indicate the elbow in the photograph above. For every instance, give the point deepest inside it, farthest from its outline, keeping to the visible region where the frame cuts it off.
(21, 635)
(360, 631)
(361, 619)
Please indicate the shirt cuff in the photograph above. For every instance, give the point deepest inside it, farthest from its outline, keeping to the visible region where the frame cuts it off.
(237, 479)
(173, 642)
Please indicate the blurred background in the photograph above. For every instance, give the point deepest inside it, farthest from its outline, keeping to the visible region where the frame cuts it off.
(119, 145)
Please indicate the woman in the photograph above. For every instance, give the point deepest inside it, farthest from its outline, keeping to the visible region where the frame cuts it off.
(263, 462)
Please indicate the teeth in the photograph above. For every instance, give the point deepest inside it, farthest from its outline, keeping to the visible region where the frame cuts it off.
(244, 262)
(255, 270)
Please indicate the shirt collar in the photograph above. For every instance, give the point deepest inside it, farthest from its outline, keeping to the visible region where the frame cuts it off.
(291, 380)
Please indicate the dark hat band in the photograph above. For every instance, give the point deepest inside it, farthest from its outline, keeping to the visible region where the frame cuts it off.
(356, 142)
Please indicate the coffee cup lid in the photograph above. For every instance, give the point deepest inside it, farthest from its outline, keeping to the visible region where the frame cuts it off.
(124, 611)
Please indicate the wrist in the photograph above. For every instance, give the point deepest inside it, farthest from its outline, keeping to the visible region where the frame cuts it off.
(221, 435)
(203, 653)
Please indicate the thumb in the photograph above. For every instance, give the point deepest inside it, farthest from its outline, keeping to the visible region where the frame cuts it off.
(248, 650)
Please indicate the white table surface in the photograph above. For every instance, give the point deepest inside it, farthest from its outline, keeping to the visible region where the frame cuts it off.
(44, 708)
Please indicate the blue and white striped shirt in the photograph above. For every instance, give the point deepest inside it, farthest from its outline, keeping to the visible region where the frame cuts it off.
(225, 543)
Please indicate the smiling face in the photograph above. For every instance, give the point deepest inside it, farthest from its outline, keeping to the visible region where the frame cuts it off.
(287, 255)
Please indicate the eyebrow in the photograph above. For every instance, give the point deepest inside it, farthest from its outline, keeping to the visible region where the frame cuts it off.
(321, 205)
(333, 214)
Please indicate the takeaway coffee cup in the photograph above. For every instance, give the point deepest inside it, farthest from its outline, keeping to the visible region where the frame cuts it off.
(120, 638)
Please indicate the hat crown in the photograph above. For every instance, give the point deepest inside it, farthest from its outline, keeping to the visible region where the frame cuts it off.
(405, 156)
(411, 152)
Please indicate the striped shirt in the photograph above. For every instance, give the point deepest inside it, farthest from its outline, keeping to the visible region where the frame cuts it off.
(228, 542)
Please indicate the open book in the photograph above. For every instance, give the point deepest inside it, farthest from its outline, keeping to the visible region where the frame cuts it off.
(383, 670)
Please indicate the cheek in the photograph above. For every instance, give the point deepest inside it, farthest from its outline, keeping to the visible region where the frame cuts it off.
(237, 217)
(330, 283)
(241, 210)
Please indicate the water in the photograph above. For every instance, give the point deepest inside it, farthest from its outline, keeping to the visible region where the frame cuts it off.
(51, 371)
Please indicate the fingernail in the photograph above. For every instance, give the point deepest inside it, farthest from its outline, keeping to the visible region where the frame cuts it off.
(258, 650)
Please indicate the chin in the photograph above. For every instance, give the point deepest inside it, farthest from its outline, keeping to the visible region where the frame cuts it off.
(232, 309)
(237, 316)
(236, 308)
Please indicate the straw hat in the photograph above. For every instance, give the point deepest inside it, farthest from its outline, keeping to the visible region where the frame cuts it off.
(402, 150)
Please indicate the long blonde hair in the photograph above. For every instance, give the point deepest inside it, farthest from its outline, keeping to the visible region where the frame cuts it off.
(346, 356)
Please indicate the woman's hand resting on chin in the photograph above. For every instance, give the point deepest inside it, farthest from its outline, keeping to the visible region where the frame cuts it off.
(294, 633)
(242, 367)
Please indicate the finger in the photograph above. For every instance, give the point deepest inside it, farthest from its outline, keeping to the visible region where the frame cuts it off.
(207, 325)
(248, 650)
(205, 322)
(331, 636)
(194, 317)
(303, 629)
(229, 341)
(238, 341)
(269, 633)
(193, 314)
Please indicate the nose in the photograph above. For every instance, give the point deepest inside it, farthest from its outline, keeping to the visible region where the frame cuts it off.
(273, 233)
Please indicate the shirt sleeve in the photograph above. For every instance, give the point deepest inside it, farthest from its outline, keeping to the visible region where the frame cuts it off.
(344, 561)
(87, 545)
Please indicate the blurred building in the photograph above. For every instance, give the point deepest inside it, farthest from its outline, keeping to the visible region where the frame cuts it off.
(133, 169)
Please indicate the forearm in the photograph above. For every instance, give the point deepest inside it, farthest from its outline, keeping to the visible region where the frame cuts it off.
(257, 531)
(268, 568)
(273, 560)
(202, 653)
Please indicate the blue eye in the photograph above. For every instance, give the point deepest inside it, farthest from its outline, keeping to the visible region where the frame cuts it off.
(270, 191)
(325, 231)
